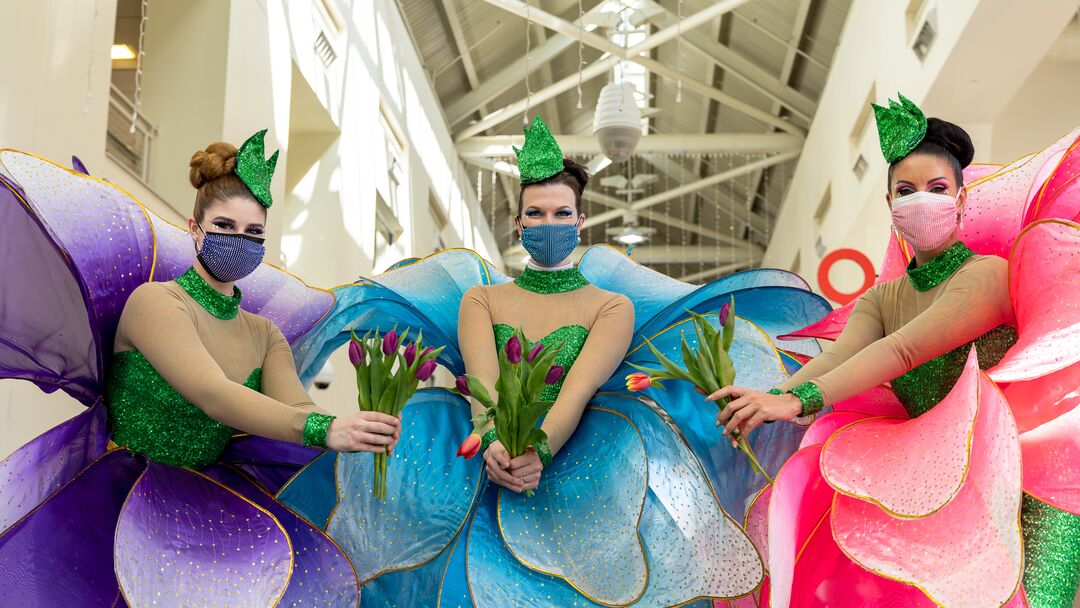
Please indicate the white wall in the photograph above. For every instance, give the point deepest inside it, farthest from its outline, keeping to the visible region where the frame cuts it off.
(978, 63)
(217, 69)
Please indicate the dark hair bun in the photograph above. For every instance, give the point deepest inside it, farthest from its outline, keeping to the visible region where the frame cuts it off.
(952, 138)
(577, 171)
(219, 158)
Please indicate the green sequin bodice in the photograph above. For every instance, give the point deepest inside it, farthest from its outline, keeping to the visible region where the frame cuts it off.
(572, 337)
(149, 417)
(924, 386)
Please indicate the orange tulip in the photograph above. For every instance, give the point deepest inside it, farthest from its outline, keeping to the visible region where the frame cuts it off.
(470, 447)
(638, 381)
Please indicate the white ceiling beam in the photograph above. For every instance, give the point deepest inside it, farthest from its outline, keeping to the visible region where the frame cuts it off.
(740, 67)
(614, 54)
(659, 143)
(509, 170)
(690, 188)
(724, 269)
(498, 84)
(716, 196)
(551, 109)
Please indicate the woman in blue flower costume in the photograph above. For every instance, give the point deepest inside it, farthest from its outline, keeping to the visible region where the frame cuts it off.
(636, 502)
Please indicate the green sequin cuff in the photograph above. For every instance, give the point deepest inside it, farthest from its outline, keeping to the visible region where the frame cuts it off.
(551, 281)
(316, 428)
(488, 438)
(776, 391)
(810, 396)
(543, 450)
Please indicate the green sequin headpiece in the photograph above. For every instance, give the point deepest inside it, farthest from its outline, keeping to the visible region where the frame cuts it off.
(901, 127)
(540, 157)
(254, 169)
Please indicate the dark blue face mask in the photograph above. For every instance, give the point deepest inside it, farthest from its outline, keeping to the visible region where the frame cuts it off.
(549, 244)
(230, 257)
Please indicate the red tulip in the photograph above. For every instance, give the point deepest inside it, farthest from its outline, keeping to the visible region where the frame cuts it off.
(470, 447)
(554, 374)
(461, 383)
(426, 369)
(356, 353)
(390, 343)
(638, 381)
(410, 354)
(535, 352)
(513, 350)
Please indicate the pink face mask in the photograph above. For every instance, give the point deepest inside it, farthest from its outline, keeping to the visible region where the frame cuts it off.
(926, 220)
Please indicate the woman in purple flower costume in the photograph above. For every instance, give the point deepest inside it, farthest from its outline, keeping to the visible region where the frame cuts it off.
(150, 497)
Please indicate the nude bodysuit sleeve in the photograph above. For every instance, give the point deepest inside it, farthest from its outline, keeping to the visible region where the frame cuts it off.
(279, 378)
(476, 337)
(604, 349)
(863, 328)
(975, 300)
(156, 323)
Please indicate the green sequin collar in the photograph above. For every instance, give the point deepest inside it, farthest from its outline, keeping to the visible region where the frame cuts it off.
(941, 267)
(216, 303)
(551, 281)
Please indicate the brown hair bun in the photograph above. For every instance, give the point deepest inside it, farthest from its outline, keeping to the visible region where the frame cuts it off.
(218, 159)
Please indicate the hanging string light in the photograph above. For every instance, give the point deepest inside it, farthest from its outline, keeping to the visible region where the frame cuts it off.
(731, 207)
(528, 58)
(90, 61)
(679, 47)
(137, 106)
(580, 51)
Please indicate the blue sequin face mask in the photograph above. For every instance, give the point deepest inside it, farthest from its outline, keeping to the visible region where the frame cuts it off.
(549, 244)
(230, 257)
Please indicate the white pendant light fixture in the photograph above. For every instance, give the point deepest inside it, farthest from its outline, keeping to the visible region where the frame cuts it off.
(617, 123)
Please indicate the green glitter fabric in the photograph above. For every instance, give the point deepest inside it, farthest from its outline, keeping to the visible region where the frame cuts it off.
(215, 302)
(254, 169)
(776, 391)
(489, 438)
(1051, 554)
(315, 429)
(810, 396)
(551, 281)
(572, 337)
(901, 127)
(923, 387)
(543, 450)
(941, 267)
(149, 417)
(540, 157)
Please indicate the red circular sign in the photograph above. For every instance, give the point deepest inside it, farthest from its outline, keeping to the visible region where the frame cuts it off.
(869, 276)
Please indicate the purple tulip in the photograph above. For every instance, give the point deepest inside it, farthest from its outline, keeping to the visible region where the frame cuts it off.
(554, 374)
(535, 352)
(724, 310)
(513, 350)
(410, 354)
(427, 351)
(390, 343)
(426, 369)
(356, 353)
(461, 383)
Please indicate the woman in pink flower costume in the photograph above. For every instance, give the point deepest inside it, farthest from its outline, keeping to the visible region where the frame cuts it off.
(959, 483)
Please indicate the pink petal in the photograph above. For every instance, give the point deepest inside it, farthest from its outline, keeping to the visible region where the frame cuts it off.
(1043, 275)
(911, 468)
(823, 428)
(968, 553)
(878, 401)
(1046, 449)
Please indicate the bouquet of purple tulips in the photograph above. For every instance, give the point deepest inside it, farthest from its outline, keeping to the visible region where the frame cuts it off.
(522, 379)
(387, 376)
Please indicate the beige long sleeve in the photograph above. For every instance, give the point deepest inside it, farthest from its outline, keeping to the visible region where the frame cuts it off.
(608, 317)
(207, 359)
(920, 326)
(863, 329)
